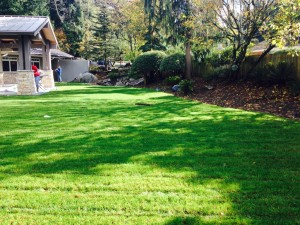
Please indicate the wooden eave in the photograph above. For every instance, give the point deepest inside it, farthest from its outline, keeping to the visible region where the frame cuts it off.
(39, 35)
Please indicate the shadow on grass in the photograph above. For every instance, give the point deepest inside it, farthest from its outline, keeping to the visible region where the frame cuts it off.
(249, 158)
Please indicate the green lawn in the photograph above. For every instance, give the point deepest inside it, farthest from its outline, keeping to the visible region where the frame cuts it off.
(92, 155)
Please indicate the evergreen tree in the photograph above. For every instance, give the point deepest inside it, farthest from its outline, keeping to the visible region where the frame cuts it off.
(176, 17)
(25, 7)
(67, 14)
(102, 45)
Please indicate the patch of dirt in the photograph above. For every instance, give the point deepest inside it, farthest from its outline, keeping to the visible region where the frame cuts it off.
(274, 100)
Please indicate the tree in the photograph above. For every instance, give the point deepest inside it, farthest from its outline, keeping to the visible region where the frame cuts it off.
(68, 15)
(153, 37)
(240, 21)
(177, 19)
(24, 7)
(134, 27)
(88, 12)
(284, 29)
(105, 44)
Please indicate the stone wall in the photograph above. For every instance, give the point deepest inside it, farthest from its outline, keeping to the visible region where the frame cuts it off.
(47, 79)
(26, 83)
(10, 77)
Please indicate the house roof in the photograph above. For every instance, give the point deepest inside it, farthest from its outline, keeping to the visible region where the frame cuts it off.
(22, 25)
(39, 27)
(259, 48)
(55, 53)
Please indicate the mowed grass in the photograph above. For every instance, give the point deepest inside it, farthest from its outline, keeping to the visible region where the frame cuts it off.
(103, 155)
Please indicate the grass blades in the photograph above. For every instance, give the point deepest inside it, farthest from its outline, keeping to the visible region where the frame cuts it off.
(105, 155)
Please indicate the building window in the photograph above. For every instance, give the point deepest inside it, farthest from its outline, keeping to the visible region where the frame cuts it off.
(36, 62)
(10, 64)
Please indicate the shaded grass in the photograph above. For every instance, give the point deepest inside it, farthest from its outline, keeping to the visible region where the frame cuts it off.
(101, 156)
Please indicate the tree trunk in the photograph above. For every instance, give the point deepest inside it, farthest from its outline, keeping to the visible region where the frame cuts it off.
(239, 60)
(105, 60)
(270, 47)
(188, 61)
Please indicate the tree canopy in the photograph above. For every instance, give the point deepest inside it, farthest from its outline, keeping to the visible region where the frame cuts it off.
(122, 29)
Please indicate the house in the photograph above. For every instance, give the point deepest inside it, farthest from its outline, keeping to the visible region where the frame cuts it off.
(276, 55)
(19, 36)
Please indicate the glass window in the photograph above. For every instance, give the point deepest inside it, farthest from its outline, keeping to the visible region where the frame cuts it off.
(13, 66)
(5, 65)
(36, 62)
(10, 63)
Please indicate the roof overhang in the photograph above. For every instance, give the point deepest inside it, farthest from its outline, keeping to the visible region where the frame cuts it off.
(38, 28)
(55, 53)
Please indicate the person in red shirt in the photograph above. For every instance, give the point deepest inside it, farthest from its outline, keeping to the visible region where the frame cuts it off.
(36, 74)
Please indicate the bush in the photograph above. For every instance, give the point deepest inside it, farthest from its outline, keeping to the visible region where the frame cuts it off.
(130, 56)
(216, 73)
(94, 68)
(220, 58)
(172, 80)
(275, 74)
(147, 65)
(173, 64)
(114, 74)
(281, 73)
(294, 87)
(259, 75)
(186, 86)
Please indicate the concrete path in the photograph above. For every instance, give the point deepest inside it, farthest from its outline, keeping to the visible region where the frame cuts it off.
(8, 89)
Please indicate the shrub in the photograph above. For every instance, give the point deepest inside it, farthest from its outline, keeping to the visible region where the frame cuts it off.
(216, 73)
(186, 86)
(275, 74)
(259, 75)
(281, 73)
(94, 68)
(173, 64)
(147, 65)
(114, 74)
(130, 56)
(294, 87)
(220, 58)
(172, 80)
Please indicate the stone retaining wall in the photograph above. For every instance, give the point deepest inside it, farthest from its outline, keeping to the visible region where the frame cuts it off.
(48, 79)
(10, 77)
(26, 83)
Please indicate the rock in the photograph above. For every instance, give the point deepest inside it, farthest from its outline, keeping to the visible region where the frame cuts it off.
(176, 88)
(88, 78)
(107, 80)
(136, 82)
(209, 87)
(119, 83)
(85, 78)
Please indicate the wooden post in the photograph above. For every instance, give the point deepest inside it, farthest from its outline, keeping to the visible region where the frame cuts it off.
(1, 66)
(46, 56)
(24, 53)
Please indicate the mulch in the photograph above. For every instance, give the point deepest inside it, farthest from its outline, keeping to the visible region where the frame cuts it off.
(273, 99)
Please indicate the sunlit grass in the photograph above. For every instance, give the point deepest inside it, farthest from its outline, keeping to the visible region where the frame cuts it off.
(102, 155)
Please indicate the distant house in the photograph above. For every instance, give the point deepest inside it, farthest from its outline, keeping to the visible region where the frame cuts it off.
(276, 55)
(20, 36)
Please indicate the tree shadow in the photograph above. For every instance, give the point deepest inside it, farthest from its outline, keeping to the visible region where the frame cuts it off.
(249, 158)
